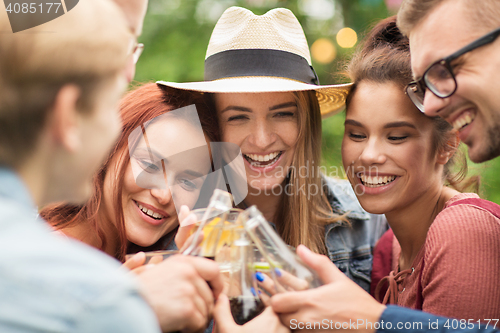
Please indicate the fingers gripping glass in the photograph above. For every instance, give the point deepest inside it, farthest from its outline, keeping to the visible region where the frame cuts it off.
(439, 77)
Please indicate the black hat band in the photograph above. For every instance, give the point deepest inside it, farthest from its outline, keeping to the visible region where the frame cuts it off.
(259, 62)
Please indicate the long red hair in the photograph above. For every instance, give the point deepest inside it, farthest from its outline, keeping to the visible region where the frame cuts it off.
(137, 107)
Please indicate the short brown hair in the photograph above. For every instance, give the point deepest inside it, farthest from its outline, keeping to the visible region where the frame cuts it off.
(86, 47)
(482, 13)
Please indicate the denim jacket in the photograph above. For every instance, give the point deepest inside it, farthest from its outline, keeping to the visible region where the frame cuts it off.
(350, 247)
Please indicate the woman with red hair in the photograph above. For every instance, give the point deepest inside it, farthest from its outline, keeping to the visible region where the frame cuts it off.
(121, 216)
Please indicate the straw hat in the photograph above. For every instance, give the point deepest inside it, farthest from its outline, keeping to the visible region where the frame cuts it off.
(248, 53)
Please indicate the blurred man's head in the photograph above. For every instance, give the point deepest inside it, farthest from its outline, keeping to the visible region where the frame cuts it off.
(134, 11)
(439, 28)
(59, 88)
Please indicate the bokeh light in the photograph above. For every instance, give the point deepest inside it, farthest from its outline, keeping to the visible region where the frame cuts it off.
(317, 9)
(347, 38)
(323, 51)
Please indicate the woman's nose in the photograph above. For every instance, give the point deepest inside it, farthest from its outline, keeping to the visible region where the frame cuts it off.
(373, 153)
(263, 135)
(163, 196)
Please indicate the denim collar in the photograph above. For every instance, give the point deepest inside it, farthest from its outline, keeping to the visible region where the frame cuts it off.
(343, 200)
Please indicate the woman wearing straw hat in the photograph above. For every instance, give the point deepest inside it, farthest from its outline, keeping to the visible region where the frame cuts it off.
(258, 75)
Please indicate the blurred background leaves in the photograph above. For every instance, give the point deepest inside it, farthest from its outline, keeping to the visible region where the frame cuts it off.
(176, 34)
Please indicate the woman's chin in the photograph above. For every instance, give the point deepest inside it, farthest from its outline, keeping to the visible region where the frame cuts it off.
(267, 186)
(374, 206)
(145, 241)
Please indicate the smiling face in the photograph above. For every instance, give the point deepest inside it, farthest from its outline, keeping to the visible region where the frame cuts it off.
(474, 109)
(170, 174)
(387, 149)
(265, 126)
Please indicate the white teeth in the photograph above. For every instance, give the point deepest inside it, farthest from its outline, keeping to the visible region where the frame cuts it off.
(149, 212)
(263, 158)
(465, 119)
(376, 181)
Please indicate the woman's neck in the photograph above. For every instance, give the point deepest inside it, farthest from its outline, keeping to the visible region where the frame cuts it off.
(266, 203)
(411, 223)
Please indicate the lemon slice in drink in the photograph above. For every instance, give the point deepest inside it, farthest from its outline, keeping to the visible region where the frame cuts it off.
(210, 235)
(261, 266)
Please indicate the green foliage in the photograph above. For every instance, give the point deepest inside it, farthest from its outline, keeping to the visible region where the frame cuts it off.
(490, 179)
(176, 34)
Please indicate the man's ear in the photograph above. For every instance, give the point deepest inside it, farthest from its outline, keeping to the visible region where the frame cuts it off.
(65, 121)
(449, 149)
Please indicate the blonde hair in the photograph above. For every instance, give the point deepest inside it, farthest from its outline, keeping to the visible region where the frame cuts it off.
(87, 47)
(484, 13)
(302, 216)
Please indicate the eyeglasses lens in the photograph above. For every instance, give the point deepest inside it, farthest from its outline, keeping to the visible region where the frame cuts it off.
(440, 80)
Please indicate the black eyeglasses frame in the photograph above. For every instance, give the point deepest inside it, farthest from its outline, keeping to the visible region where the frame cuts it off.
(446, 62)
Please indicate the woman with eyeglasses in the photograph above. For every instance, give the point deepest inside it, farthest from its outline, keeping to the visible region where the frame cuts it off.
(407, 166)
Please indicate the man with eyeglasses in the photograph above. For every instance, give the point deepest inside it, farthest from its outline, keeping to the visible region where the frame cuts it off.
(455, 54)
(58, 120)
(456, 61)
